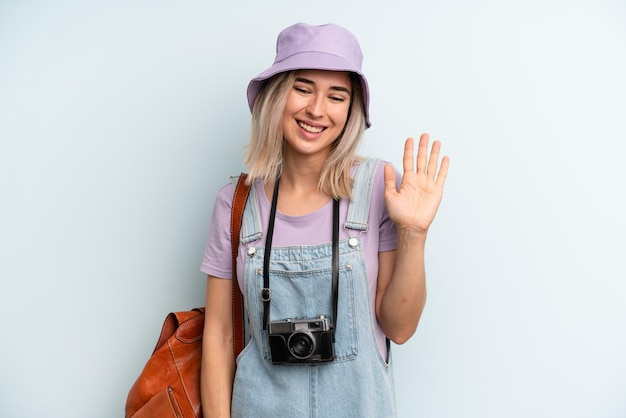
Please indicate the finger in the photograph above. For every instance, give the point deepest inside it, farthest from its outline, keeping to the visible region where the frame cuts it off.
(422, 152)
(443, 171)
(407, 159)
(390, 178)
(433, 161)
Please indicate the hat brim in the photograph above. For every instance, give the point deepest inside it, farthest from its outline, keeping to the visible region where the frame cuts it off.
(302, 61)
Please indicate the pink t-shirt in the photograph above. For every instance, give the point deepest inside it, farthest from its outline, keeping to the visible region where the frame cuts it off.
(311, 229)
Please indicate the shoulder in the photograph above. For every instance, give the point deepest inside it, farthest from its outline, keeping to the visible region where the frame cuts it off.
(372, 171)
(365, 168)
(224, 196)
(226, 191)
(372, 165)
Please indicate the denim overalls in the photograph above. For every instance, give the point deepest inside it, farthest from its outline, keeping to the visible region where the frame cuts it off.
(358, 383)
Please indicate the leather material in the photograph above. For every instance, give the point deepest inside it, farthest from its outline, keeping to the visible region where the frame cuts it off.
(169, 384)
(240, 197)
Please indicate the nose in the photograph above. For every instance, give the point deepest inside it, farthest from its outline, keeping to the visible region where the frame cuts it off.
(315, 107)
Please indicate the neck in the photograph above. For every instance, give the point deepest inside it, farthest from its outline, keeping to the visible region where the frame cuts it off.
(299, 188)
(302, 174)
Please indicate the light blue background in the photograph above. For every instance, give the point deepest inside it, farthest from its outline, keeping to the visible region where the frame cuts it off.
(119, 121)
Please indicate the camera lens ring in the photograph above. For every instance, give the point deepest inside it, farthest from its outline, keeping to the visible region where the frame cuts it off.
(302, 344)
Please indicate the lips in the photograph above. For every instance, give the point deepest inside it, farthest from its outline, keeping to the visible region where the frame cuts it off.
(310, 128)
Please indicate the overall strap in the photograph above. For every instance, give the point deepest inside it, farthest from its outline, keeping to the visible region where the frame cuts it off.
(359, 208)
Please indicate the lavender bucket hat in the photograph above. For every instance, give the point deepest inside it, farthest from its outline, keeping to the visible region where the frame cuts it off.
(305, 47)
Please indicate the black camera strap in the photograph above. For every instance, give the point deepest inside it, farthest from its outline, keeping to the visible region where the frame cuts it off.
(266, 293)
(335, 262)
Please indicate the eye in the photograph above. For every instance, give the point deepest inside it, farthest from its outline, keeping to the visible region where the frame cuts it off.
(337, 99)
(301, 90)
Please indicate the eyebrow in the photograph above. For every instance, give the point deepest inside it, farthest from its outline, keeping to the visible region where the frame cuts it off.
(336, 88)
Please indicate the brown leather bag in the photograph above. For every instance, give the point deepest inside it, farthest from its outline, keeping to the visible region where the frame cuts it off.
(169, 384)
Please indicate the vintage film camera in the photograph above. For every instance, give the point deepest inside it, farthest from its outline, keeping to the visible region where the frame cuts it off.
(302, 340)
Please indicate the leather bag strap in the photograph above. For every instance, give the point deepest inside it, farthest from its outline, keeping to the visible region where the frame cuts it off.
(240, 198)
(173, 321)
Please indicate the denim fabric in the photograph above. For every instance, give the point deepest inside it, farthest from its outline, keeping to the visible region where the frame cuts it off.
(359, 382)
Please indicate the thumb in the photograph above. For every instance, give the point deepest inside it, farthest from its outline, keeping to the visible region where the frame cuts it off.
(390, 178)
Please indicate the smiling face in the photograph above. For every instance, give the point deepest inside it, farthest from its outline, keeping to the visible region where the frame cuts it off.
(316, 112)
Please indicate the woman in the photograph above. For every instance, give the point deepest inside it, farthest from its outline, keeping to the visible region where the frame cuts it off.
(344, 243)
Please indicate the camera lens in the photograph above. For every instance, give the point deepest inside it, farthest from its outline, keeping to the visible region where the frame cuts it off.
(301, 344)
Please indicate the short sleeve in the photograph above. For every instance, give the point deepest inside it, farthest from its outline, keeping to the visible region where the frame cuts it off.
(217, 259)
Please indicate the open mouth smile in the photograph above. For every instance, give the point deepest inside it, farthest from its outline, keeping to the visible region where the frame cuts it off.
(311, 129)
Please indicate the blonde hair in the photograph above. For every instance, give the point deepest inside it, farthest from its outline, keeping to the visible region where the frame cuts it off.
(266, 146)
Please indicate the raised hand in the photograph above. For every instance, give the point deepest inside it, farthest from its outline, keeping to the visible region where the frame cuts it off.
(414, 205)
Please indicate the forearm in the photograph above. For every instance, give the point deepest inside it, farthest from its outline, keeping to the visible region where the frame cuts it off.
(217, 374)
(218, 362)
(404, 297)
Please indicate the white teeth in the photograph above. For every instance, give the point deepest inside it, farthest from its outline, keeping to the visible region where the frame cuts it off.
(310, 128)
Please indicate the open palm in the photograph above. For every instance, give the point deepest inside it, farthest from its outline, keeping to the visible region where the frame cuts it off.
(414, 205)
